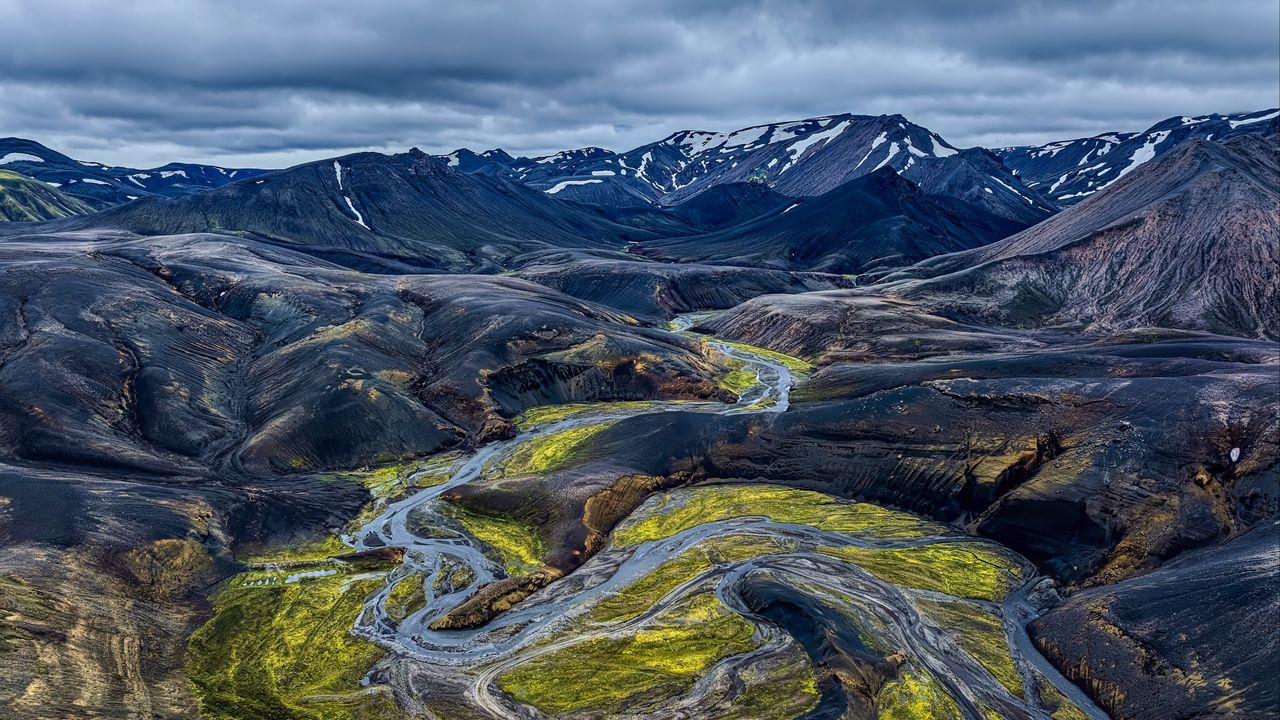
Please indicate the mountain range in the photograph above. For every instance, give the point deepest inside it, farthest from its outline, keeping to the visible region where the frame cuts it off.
(1068, 171)
(813, 419)
(98, 185)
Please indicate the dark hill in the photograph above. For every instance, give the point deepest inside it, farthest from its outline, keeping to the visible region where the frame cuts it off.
(1189, 240)
(872, 222)
(363, 208)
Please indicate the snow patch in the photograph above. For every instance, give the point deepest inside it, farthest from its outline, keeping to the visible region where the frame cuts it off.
(1142, 154)
(745, 137)
(566, 183)
(19, 157)
(170, 173)
(799, 147)
(354, 211)
(1012, 190)
(337, 172)
(94, 181)
(1249, 121)
(940, 147)
(603, 173)
(790, 207)
(893, 150)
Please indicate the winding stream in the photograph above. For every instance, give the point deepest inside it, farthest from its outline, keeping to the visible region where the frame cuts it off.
(550, 620)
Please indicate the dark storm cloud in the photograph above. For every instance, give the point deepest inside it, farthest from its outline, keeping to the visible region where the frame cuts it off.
(272, 82)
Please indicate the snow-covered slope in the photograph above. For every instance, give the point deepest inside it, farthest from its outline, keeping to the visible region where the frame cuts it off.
(1068, 171)
(798, 158)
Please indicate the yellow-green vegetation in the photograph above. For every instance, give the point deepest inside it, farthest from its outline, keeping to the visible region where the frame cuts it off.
(916, 696)
(793, 363)
(787, 692)
(766, 402)
(392, 482)
(980, 634)
(515, 541)
(24, 199)
(740, 378)
(546, 453)
(543, 414)
(452, 575)
(665, 657)
(23, 608)
(1059, 707)
(963, 569)
(314, 551)
(284, 651)
(701, 505)
(406, 597)
(632, 600)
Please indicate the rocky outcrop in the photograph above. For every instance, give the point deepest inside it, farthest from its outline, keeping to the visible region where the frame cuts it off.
(1173, 643)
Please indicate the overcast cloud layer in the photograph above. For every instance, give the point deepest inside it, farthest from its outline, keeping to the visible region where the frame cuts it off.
(272, 83)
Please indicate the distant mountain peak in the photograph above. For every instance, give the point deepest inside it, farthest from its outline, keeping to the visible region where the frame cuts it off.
(1069, 171)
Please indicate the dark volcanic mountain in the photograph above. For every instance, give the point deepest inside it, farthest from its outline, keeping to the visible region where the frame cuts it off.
(173, 353)
(870, 223)
(1068, 171)
(720, 207)
(101, 185)
(1190, 240)
(365, 209)
(23, 199)
(806, 157)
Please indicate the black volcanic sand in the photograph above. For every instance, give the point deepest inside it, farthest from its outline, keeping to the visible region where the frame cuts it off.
(166, 400)
(169, 355)
(1100, 463)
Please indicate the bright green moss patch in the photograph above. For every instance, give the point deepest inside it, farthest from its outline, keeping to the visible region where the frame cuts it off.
(1059, 707)
(916, 696)
(980, 634)
(664, 658)
(315, 551)
(544, 414)
(694, 507)
(284, 651)
(552, 451)
(740, 378)
(516, 542)
(634, 599)
(786, 693)
(963, 569)
(794, 364)
(407, 597)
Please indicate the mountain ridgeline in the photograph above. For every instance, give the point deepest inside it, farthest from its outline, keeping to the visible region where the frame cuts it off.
(99, 185)
(814, 419)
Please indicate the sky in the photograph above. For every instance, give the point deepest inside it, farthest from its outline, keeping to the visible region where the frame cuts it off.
(272, 83)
